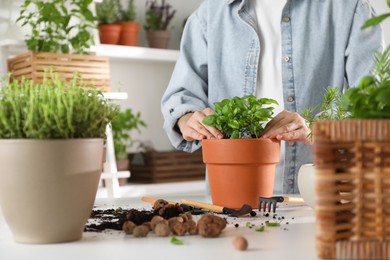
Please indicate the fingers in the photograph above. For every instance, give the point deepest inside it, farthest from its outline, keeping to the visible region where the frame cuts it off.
(288, 126)
(192, 128)
(294, 136)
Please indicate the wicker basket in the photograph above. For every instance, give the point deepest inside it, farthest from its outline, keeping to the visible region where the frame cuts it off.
(169, 166)
(94, 70)
(352, 159)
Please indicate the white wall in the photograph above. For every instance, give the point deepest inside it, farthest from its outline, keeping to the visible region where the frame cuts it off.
(183, 9)
(145, 82)
(381, 7)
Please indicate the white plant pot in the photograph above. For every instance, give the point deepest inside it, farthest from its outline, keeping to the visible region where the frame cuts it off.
(306, 184)
(48, 187)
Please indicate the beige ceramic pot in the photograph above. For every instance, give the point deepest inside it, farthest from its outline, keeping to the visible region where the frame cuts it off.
(306, 183)
(48, 187)
(158, 39)
(240, 170)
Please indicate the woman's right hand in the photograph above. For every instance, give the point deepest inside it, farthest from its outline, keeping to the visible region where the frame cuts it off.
(192, 127)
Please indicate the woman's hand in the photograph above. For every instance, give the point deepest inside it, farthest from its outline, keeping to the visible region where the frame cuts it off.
(192, 128)
(288, 126)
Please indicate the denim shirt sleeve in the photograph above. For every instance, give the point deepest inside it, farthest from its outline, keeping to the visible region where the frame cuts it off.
(362, 44)
(187, 89)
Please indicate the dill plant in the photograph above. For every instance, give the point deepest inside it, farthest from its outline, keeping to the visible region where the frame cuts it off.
(53, 109)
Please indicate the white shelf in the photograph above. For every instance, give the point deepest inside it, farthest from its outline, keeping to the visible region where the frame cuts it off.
(11, 43)
(115, 95)
(119, 52)
(114, 52)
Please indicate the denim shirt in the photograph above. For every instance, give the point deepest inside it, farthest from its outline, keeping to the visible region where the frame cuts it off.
(322, 45)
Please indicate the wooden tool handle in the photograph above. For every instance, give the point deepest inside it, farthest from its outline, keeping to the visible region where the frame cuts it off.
(214, 208)
(152, 200)
(294, 200)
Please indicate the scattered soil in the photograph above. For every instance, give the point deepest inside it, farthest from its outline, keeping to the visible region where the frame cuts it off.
(114, 218)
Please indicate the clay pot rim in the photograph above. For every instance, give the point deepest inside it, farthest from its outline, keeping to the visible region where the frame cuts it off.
(110, 26)
(49, 140)
(240, 140)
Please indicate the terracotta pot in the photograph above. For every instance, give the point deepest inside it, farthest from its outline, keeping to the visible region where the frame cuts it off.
(129, 33)
(158, 39)
(240, 170)
(109, 33)
(48, 187)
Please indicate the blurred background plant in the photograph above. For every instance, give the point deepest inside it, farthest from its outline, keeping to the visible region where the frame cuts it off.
(106, 12)
(158, 15)
(122, 126)
(58, 26)
(125, 14)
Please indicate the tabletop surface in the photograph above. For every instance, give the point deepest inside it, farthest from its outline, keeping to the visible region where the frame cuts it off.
(294, 239)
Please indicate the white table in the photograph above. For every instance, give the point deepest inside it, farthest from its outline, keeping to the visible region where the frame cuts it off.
(297, 242)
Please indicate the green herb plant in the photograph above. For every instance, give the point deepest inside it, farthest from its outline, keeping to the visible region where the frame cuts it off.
(371, 98)
(329, 109)
(158, 15)
(241, 117)
(53, 110)
(126, 14)
(107, 12)
(122, 125)
(58, 26)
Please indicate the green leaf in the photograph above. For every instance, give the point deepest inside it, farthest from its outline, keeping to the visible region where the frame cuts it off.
(209, 120)
(65, 48)
(235, 134)
(269, 101)
(375, 20)
(225, 109)
(176, 241)
(383, 95)
(234, 124)
(272, 224)
(388, 3)
(260, 229)
(263, 114)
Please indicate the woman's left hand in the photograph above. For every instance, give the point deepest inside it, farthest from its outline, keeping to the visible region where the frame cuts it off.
(288, 126)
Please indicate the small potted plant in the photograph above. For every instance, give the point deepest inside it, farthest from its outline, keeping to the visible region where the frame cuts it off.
(51, 149)
(59, 34)
(52, 28)
(158, 18)
(241, 167)
(123, 124)
(109, 29)
(329, 109)
(130, 27)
